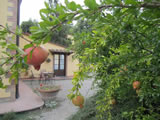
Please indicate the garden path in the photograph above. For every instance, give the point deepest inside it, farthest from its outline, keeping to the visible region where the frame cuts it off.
(27, 101)
(65, 107)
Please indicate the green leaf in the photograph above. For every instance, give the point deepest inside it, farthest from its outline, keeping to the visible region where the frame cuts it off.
(46, 4)
(60, 9)
(72, 6)
(3, 34)
(12, 47)
(1, 71)
(70, 96)
(44, 11)
(3, 44)
(39, 32)
(45, 24)
(115, 2)
(34, 28)
(43, 17)
(1, 84)
(66, 2)
(62, 17)
(133, 2)
(18, 31)
(20, 51)
(25, 59)
(28, 46)
(7, 28)
(13, 76)
(47, 39)
(91, 4)
(6, 53)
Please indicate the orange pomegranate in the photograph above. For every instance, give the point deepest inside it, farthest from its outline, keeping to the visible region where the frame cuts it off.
(39, 55)
(78, 101)
(136, 85)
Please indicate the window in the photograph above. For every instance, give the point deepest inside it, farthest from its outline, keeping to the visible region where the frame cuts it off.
(61, 62)
(56, 62)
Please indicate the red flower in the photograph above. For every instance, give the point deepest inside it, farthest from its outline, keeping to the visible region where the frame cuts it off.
(41, 85)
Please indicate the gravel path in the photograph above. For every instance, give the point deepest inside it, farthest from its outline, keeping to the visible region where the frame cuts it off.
(65, 107)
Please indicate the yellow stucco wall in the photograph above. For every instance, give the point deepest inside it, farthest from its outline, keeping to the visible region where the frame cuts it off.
(48, 67)
(3, 21)
(3, 11)
(3, 93)
(71, 65)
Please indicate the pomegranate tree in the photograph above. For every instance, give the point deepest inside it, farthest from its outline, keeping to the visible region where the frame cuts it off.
(78, 101)
(36, 56)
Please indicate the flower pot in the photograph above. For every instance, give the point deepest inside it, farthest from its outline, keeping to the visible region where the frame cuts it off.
(49, 92)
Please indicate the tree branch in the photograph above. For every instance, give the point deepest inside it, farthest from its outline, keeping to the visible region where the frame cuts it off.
(10, 58)
(142, 43)
(145, 48)
(56, 26)
(13, 64)
(61, 23)
(16, 34)
(143, 5)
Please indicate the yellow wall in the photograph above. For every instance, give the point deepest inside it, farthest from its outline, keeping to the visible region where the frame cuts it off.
(71, 65)
(3, 92)
(4, 13)
(48, 67)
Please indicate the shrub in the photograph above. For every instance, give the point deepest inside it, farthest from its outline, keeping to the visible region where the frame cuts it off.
(88, 112)
(9, 116)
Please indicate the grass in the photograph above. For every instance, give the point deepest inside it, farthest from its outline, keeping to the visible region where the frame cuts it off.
(28, 115)
(9, 116)
(18, 116)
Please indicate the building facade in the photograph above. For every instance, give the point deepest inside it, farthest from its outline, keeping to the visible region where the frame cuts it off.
(60, 61)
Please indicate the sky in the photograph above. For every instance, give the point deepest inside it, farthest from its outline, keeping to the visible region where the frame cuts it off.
(30, 9)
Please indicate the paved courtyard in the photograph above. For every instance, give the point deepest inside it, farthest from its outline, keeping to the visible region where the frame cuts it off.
(65, 108)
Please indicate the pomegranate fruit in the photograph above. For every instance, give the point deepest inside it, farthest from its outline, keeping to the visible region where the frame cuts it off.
(39, 55)
(136, 85)
(113, 101)
(84, 42)
(137, 91)
(124, 69)
(78, 101)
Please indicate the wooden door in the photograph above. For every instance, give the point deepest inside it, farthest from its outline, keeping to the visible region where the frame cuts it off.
(59, 64)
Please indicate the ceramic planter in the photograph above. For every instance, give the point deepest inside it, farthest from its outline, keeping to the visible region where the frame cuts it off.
(49, 93)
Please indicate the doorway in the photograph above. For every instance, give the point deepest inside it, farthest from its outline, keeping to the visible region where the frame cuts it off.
(59, 64)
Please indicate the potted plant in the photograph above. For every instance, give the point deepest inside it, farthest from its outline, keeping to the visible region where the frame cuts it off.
(48, 92)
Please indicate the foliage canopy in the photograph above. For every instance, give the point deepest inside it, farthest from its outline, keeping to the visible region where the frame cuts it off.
(121, 47)
(25, 26)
